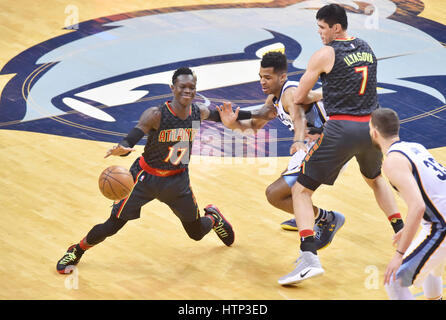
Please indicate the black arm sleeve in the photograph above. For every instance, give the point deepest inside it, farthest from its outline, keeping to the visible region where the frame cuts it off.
(132, 139)
(242, 115)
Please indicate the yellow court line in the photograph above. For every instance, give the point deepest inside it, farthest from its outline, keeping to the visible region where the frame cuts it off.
(79, 126)
(424, 114)
(33, 75)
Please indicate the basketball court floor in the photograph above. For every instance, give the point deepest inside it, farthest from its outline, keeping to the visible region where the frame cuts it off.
(76, 75)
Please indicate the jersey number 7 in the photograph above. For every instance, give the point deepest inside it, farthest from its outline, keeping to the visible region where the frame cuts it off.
(365, 75)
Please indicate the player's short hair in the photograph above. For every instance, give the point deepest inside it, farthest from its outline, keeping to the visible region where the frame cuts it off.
(332, 14)
(275, 59)
(180, 71)
(386, 121)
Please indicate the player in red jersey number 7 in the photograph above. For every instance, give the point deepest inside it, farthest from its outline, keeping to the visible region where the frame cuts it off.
(347, 68)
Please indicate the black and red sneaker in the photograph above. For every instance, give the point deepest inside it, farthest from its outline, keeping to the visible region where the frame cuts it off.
(222, 227)
(70, 258)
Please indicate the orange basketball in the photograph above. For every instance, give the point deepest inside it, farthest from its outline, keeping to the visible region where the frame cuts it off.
(115, 182)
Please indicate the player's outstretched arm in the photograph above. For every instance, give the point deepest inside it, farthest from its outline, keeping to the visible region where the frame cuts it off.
(399, 172)
(150, 119)
(239, 119)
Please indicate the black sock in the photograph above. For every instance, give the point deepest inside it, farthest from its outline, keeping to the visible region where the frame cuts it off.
(308, 244)
(79, 249)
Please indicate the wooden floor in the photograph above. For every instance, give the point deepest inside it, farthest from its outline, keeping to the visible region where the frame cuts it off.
(50, 200)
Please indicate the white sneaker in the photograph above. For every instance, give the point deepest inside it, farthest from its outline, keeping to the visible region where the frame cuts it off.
(307, 266)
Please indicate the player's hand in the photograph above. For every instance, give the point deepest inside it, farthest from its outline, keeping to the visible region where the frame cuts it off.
(296, 146)
(313, 133)
(392, 268)
(312, 137)
(118, 150)
(227, 115)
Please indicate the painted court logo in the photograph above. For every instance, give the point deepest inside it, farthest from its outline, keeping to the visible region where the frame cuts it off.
(94, 82)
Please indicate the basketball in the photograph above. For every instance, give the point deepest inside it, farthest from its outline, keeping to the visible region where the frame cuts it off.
(115, 182)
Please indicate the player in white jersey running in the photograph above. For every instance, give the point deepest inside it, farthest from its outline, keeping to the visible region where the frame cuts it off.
(421, 182)
(274, 82)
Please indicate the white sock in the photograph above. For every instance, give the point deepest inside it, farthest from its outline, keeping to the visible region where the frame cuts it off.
(433, 287)
(396, 291)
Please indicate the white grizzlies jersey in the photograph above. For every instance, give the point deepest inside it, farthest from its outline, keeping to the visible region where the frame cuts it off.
(316, 115)
(431, 179)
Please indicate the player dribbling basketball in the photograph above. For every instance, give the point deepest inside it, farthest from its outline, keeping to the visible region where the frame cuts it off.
(162, 170)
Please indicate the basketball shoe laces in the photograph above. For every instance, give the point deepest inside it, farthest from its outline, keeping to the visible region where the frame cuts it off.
(219, 228)
(69, 257)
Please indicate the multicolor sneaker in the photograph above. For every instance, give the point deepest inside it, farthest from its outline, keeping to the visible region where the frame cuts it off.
(307, 266)
(70, 258)
(222, 227)
(289, 225)
(325, 230)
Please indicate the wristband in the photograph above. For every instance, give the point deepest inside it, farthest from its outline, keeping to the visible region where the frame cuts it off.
(132, 138)
(242, 115)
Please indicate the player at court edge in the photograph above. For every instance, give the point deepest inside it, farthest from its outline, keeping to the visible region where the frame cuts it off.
(419, 259)
(347, 67)
(161, 172)
(274, 82)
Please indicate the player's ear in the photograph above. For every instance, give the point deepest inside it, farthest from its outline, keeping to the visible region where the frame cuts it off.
(283, 76)
(337, 28)
(373, 132)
